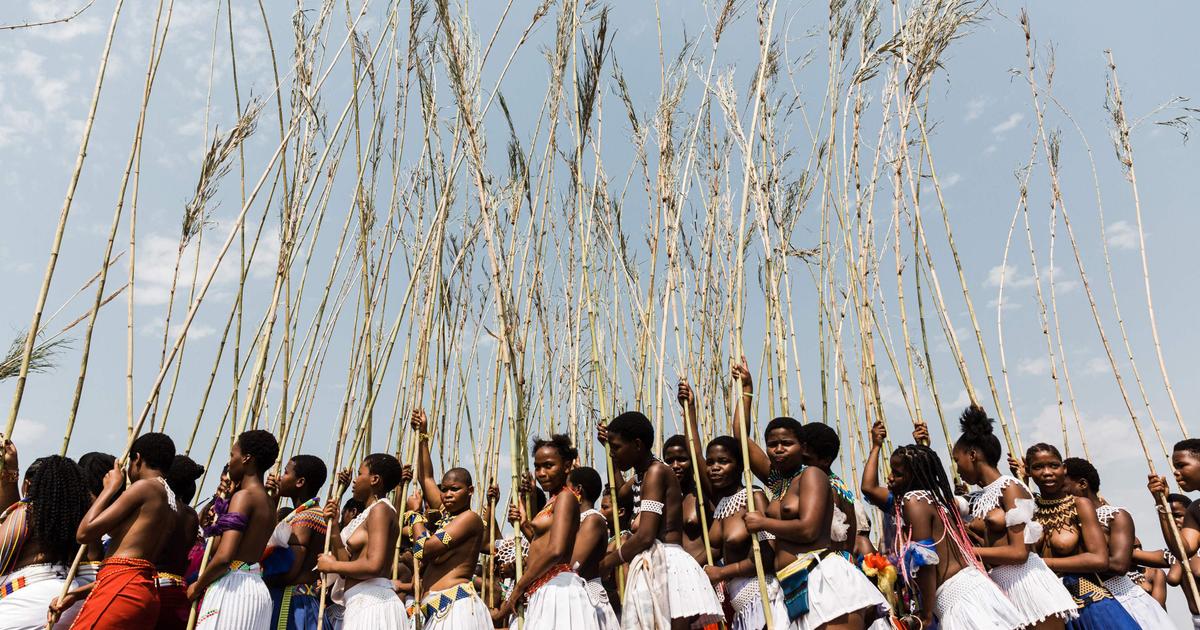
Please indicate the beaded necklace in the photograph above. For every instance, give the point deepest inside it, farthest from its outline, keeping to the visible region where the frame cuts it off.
(1057, 515)
(778, 483)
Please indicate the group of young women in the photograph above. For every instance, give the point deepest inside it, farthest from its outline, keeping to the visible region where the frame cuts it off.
(734, 533)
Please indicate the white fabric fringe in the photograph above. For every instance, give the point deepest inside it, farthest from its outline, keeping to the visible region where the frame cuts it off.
(606, 618)
(373, 605)
(561, 603)
(746, 601)
(836, 588)
(1033, 588)
(689, 591)
(237, 601)
(971, 601)
(1140, 605)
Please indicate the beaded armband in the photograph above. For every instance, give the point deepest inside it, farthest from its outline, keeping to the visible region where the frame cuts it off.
(419, 545)
(412, 518)
(655, 507)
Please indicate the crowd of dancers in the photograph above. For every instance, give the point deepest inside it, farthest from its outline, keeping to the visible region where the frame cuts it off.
(673, 543)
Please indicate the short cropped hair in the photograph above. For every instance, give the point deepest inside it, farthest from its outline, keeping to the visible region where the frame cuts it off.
(155, 449)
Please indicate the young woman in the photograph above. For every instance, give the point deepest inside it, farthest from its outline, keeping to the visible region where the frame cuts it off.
(231, 583)
(555, 594)
(37, 539)
(678, 455)
(591, 543)
(448, 548)
(1002, 518)
(665, 586)
(1073, 543)
(937, 560)
(729, 535)
(807, 564)
(1082, 480)
(360, 558)
(174, 607)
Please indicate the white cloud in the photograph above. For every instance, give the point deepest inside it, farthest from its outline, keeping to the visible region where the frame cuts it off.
(1009, 123)
(27, 432)
(156, 264)
(1096, 365)
(975, 108)
(1009, 275)
(1121, 235)
(1062, 284)
(43, 10)
(950, 180)
(1036, 367)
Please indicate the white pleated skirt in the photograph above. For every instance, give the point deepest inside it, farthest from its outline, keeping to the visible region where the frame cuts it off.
(237, 601)
(836, 588)
(561, 603)
(971, 601)
(373, 605)
(1033, 588)
(606, 617)
(746, 601)
(689, 591)
(26, 607)
(1144, 609)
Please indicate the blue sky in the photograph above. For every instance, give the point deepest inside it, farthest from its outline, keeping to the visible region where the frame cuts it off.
(984, 127)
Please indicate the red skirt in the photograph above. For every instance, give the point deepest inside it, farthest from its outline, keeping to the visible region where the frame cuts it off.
(174, 606)
(125, 596)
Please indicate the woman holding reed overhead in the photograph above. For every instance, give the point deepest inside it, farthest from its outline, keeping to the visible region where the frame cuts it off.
(360, 558)
(1002, 519)
(938, 563)
(555, 595)
(1073, 543)
(448, 547)
(37, 538)
(1082, 480)
(591, 543)
(724, 481)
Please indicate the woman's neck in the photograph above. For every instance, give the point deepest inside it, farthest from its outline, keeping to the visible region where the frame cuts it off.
(988, 474)
(645, 463)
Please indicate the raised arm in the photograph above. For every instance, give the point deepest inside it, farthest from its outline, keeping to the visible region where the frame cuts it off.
(10, 492)
(876, 494)
(687, 400)
(1189, 533)
(432, 493)
(760, 464)
(1095, 555)
(109, 510)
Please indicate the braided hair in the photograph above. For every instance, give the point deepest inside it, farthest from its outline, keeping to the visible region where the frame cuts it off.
(59, 498)
(926, 472)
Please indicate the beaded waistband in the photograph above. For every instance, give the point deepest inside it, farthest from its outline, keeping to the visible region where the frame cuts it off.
(436, 603)
(550, 574)
(165, 579)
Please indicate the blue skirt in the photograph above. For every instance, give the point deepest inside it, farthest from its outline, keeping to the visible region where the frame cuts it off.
(1098, 609)
(296, 608)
